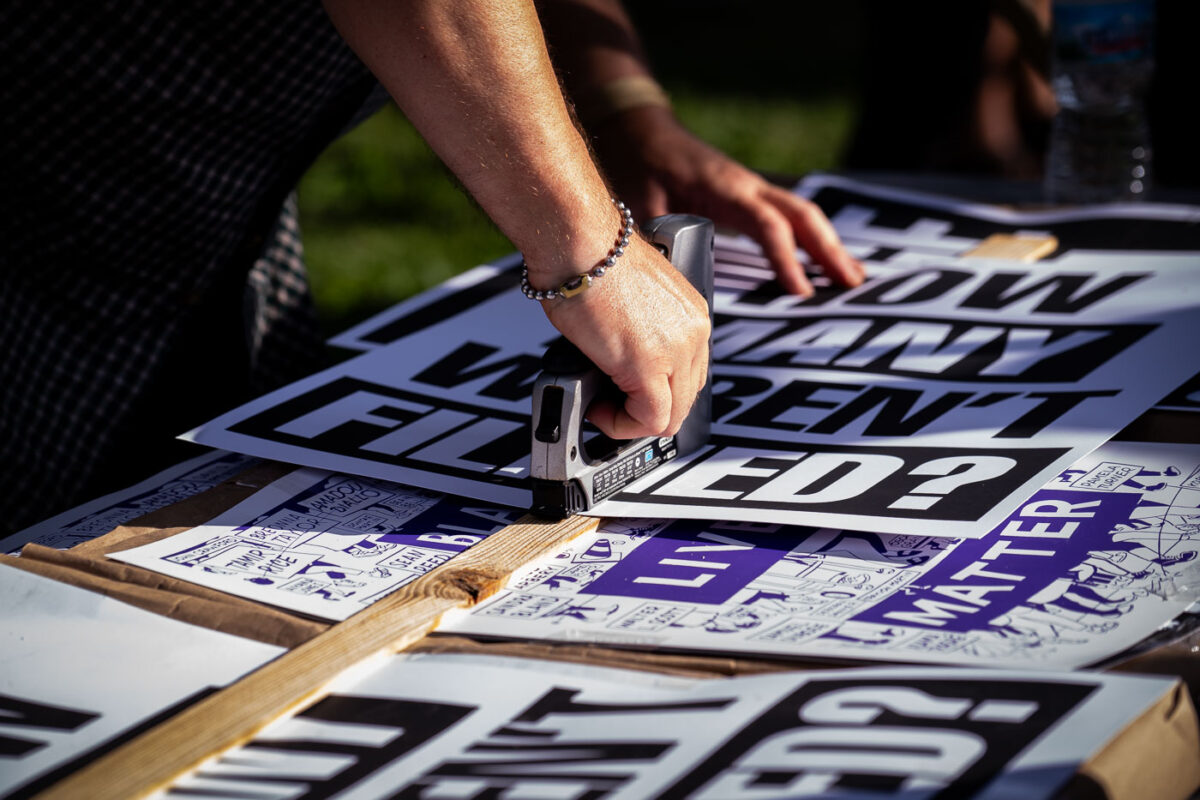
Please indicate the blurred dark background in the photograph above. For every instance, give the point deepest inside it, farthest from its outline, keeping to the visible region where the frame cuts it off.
(785, 87)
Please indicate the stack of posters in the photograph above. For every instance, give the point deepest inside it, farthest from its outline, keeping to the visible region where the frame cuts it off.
(1103, 555)
(323, 545)
(476, 727)
(80, 673)
(875, 470)
(931, 401)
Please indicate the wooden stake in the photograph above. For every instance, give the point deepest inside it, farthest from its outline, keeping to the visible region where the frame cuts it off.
(301, 676)
(1015, 248)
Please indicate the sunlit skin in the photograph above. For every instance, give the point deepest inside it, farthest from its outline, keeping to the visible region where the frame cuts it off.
(475, 79)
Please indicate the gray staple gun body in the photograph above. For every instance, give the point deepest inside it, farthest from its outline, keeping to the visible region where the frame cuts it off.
(570, 474)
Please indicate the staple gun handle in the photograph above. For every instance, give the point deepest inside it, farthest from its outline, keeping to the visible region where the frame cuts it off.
(570, 474)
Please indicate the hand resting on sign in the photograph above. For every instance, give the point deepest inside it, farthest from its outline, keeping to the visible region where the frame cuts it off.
(658, 167)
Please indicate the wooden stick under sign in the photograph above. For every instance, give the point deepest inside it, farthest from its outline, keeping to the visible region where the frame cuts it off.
(1014, 247)
(300, 676)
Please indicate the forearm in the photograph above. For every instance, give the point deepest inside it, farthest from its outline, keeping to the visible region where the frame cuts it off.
(600, 44)
(474, 77)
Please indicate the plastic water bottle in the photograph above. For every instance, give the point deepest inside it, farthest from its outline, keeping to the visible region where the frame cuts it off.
(1103, 60)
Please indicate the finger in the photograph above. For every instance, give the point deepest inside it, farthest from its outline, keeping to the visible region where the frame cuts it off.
(773, 232)
(700, 369)
(683, 395)
(699, 372)
(647, 411)
(656, 202)
(817, 236)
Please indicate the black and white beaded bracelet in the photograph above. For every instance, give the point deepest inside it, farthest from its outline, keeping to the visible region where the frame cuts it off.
(580, 283)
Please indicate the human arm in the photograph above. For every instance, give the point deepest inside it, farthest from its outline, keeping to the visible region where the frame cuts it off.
(474, 77)
(659, 166)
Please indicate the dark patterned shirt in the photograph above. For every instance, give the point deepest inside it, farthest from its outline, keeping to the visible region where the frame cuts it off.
(148, 278)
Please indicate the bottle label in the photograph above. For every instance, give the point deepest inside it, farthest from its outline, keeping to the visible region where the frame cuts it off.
(1103, 32)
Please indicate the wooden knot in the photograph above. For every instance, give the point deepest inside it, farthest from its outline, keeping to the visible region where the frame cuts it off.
(468, 584)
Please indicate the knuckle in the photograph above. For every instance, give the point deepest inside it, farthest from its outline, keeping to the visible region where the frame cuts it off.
(807, 207)
(766, 217)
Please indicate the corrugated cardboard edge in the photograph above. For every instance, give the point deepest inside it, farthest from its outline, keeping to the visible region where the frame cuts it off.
(86, 566)
(186, 514)
(682, 664)
(245, 619)
(1133, 765)
(302, 675)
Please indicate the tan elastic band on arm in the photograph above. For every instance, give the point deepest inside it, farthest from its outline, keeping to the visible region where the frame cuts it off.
(608, 99)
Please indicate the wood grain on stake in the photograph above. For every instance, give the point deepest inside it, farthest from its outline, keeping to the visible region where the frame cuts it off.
(1014, 247)
(300, 676)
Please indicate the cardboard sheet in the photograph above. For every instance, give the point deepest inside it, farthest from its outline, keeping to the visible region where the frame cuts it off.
(323, 545)
(928, 402)
(97, 517)
(79, 671)
(462, 726)
(1103, 555)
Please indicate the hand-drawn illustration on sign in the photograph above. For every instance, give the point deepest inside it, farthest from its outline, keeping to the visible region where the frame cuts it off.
(321, 544)
(1081, 571)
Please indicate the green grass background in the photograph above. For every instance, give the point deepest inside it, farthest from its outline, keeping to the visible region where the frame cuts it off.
(382, 219)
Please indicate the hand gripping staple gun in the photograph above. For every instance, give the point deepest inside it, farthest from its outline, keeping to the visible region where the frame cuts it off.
(571, 474)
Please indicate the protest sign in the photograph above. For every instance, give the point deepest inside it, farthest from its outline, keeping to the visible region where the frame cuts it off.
(1088, 566)
(80, 672)
(97, 517)
(458, 726)
(890, 228)
(323, 545)
(928, 401)
(897, 228)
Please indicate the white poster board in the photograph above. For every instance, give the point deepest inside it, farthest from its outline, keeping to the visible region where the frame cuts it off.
(887, 228)
(1102, 556)
(472, 727)
(897, 228)
(929, 401)
(80, 672)
(890, 228)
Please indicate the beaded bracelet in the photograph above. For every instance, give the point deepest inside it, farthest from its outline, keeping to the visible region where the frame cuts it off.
(580, 283)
